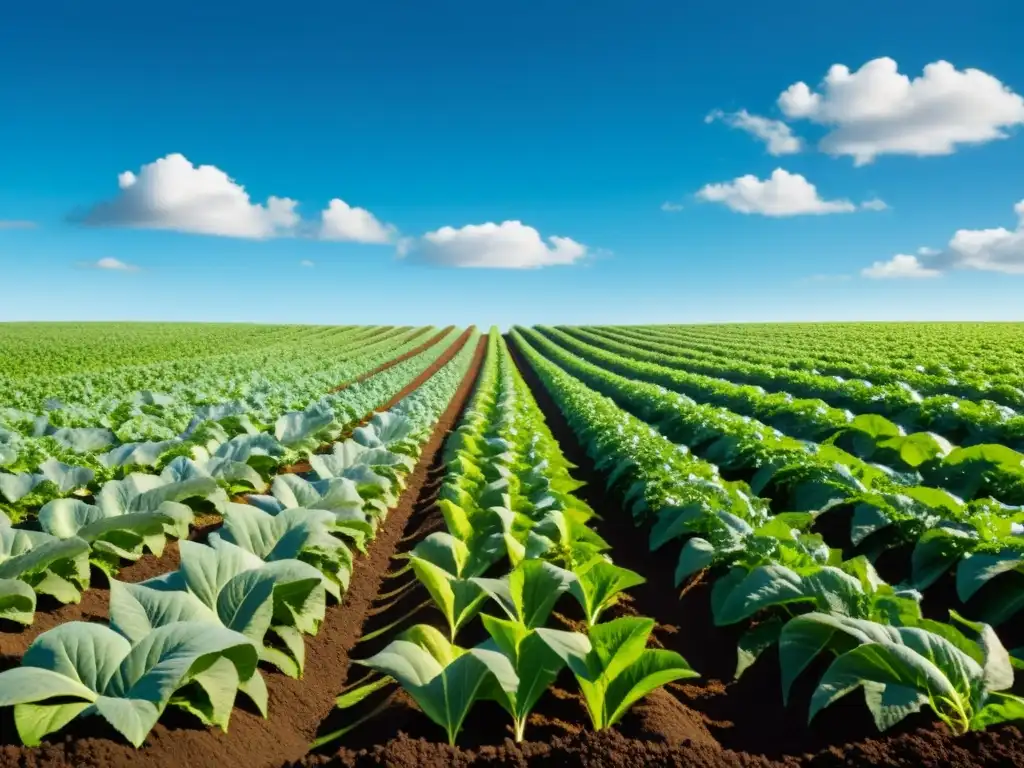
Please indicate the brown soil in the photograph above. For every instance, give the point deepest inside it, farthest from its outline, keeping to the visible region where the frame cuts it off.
(610, 749)
(296, 706)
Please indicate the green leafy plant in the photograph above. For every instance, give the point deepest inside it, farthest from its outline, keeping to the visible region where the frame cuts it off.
(617, 669)
(79, 669)
(224, 583)
(535, 663)
(444, 565)
(114, 536)
(902, 669)
(599, 584)
(34, 562)
(443, 679)
(529, 592)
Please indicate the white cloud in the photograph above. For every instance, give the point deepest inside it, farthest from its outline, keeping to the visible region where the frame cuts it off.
(509, 245)
(987, 250)
(116, 265)
(876, 110)
(173, 194)
(16, 224)
(340, 221)
(775, 133)
(900, 265)
(669, 207)
(782, 194)
(874, 204)
(307, 263)
(990, 250)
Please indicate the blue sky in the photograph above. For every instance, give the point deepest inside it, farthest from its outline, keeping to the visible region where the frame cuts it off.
(579, 119)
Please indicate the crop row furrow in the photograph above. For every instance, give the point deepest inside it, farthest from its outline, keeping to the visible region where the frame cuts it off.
(784, 584)
(920, 457)
(195, 638)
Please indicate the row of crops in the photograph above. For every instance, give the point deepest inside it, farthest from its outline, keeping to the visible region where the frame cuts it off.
(748, 503)
(244, 599)
(223, 417)
(855, 522)
(515, 545)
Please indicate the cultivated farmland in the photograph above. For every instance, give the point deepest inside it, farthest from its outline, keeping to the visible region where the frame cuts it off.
(747, 545)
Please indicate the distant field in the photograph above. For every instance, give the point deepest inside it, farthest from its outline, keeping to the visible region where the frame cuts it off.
(819, 528)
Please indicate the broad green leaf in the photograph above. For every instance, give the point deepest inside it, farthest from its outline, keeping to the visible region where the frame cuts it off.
(652, 670)
(529, 592)
(598, 585)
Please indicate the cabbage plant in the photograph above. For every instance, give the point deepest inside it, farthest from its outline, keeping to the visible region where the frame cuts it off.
(79, 669)
(114, 536)
(34, 562)
(272, 604)
(339, 496)
(294, 534)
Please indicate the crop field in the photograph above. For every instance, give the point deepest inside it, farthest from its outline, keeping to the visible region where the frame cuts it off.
(723, 545)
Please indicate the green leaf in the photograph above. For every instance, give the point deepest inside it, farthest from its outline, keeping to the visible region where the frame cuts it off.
(458, 599)
(598, 585)
(446, 692)
(977, 569)
(804, 637)
(934, 554)
(529, 592)
(762, 587)
(34, 721)
(535, 663)
(697, 554)
(17, 601)
(1001, 708)
(652, 670)
(756, 641)
(886, 663)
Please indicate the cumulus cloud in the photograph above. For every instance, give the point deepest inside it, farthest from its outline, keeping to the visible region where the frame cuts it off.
(877, 111)
(172, 194)
(340, 221)
(992, 250)
(988, 250)
(112, 264)
(900, 265)
(874, 204)
(774, 133)
(307, 263)
(509, 245)
(782, 194)
(669, 207)
(16, 224)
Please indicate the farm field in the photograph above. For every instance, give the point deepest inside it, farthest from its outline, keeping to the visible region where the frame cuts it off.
(733, 545)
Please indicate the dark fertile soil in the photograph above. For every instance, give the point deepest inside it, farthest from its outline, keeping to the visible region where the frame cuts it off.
(297, 707)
